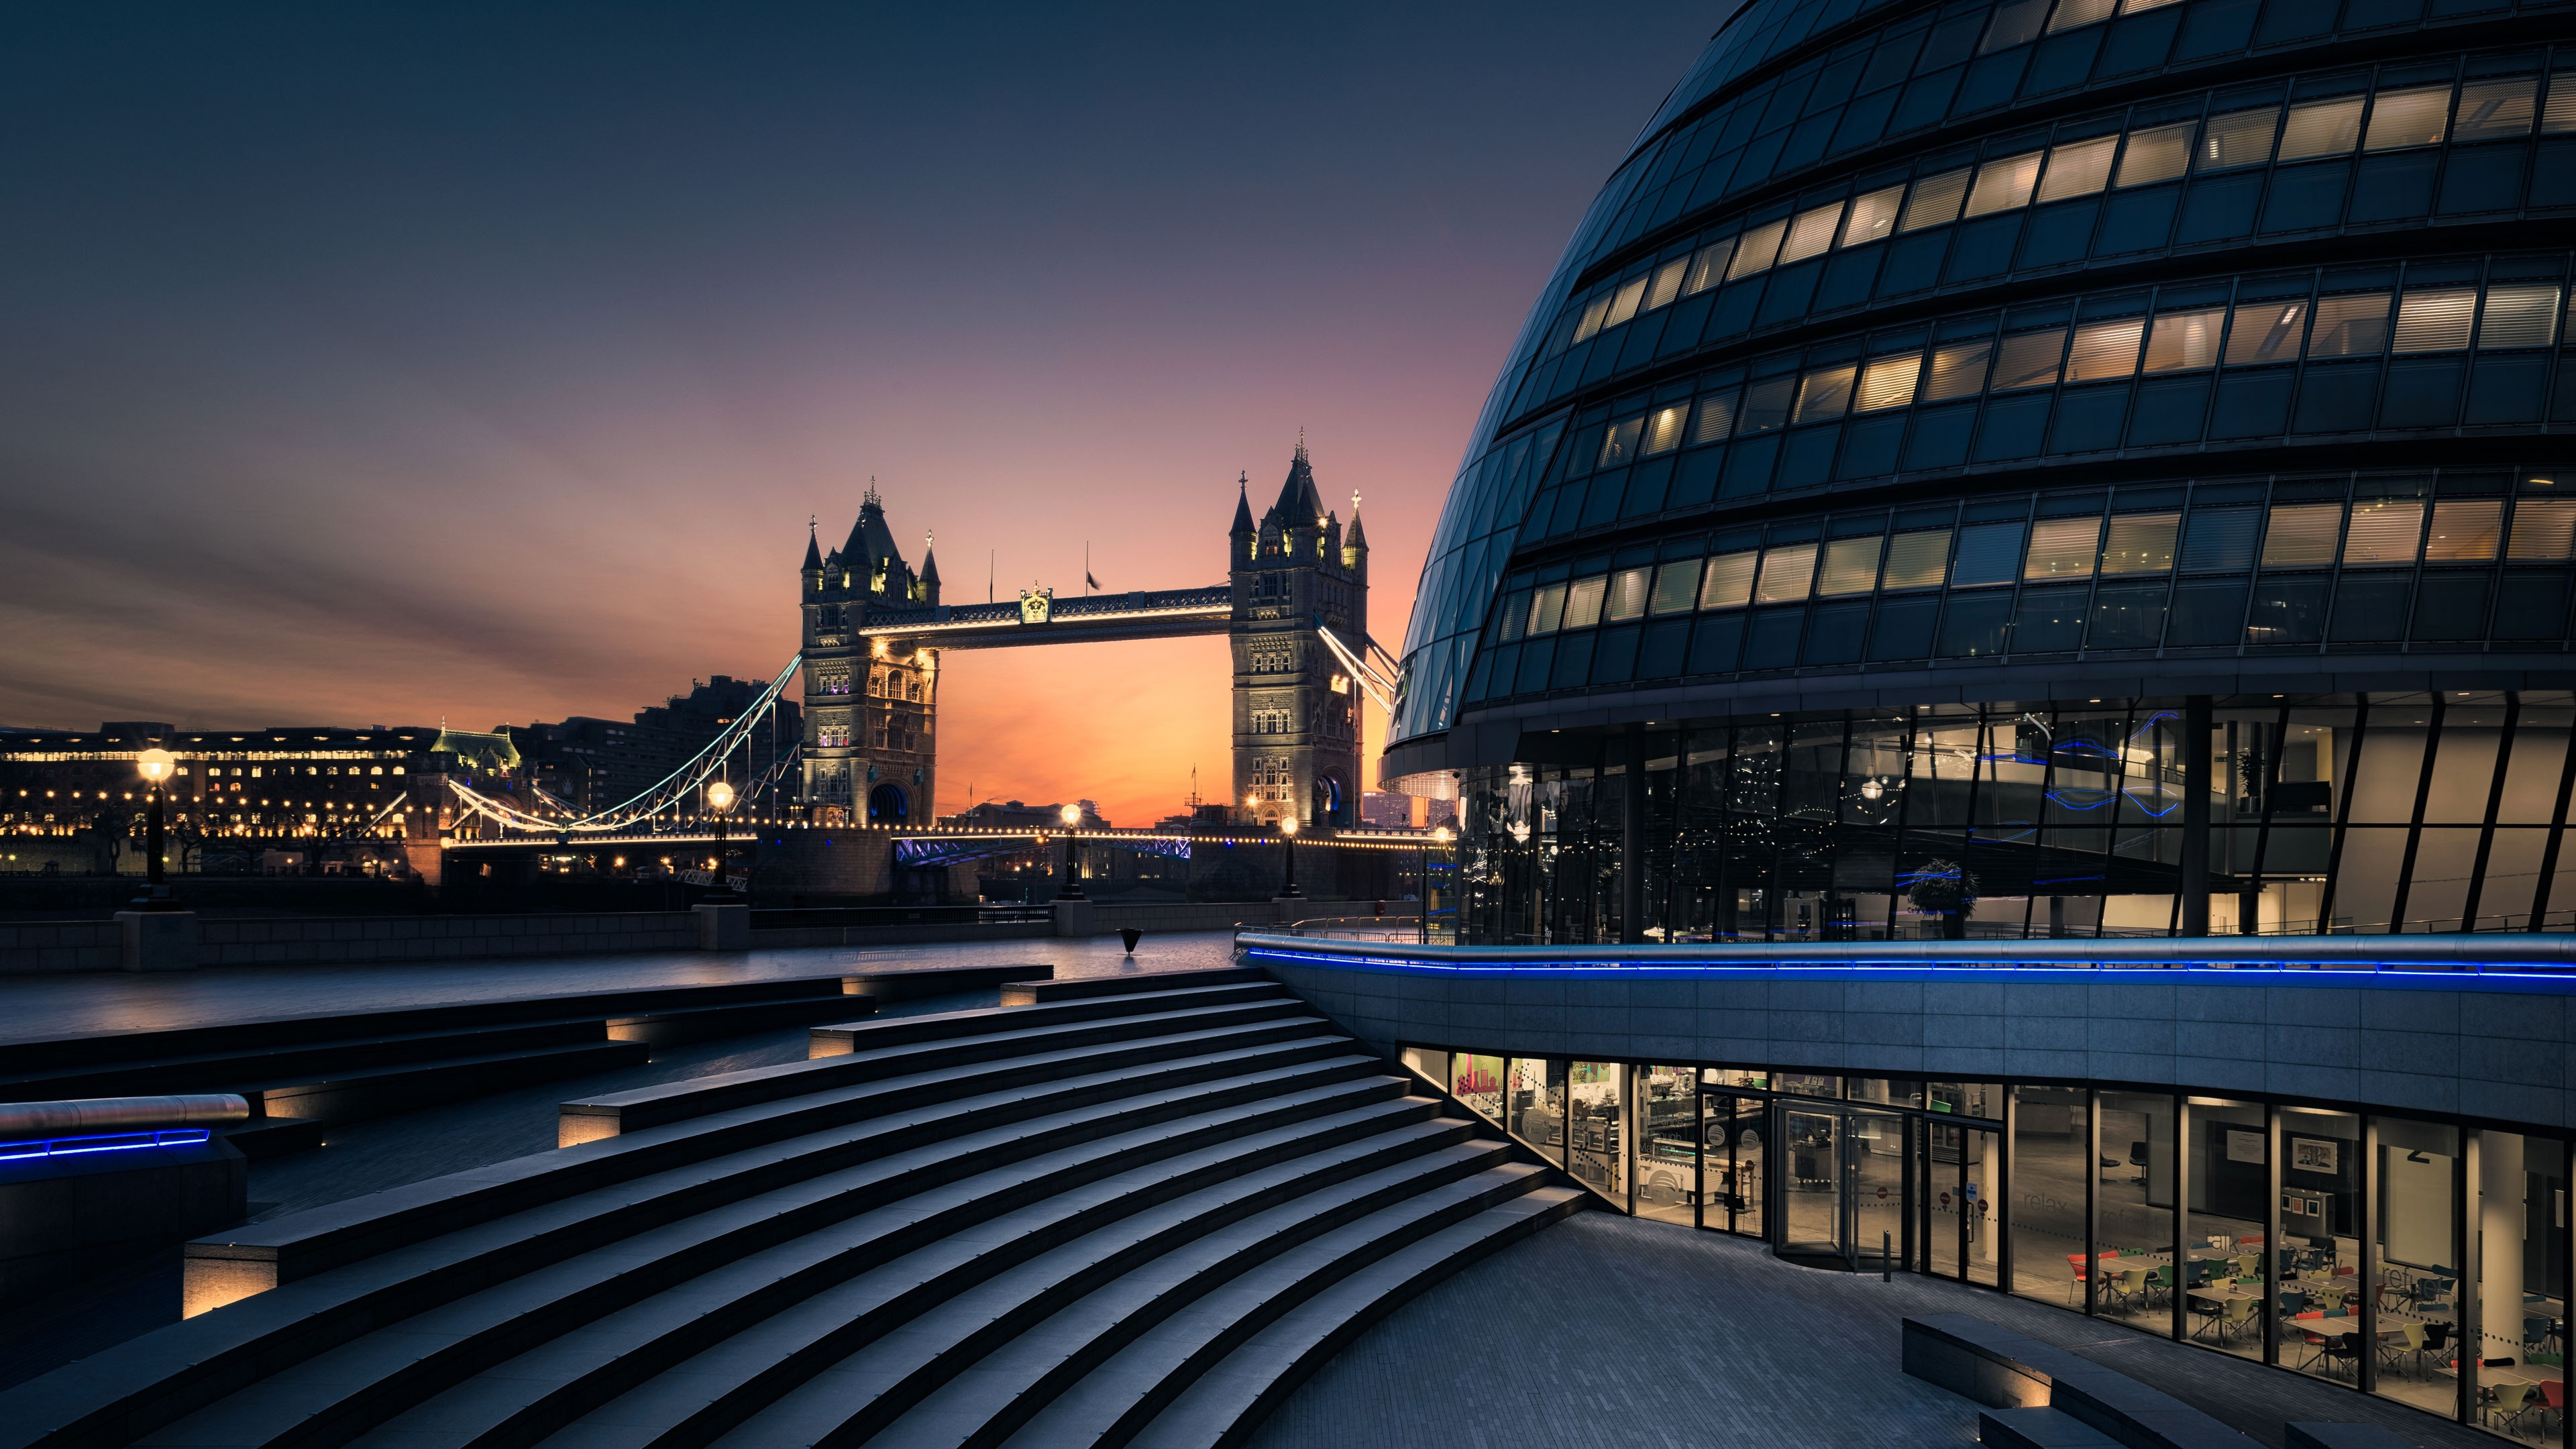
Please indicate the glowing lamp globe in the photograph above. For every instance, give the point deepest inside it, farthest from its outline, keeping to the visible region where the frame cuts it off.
(1071, 815)
(156, 765)
(1440, 834)
(1287, 824)
(720, 797)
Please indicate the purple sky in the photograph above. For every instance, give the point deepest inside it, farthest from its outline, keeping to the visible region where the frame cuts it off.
(382, 364)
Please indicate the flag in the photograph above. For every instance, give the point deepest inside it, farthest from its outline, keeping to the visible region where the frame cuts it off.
(1088, 581)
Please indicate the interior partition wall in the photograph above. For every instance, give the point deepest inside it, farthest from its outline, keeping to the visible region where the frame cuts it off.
(2421, 1259)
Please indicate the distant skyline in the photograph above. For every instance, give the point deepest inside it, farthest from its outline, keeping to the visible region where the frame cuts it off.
(375, 365)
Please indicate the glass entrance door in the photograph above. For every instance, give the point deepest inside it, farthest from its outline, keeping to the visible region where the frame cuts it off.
(1959, 1228)
(1843, 1189)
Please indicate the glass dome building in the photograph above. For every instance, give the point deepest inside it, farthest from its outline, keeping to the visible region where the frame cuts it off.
(2050, 467)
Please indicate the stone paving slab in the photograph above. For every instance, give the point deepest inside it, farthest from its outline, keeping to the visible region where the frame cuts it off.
(1608, 1331)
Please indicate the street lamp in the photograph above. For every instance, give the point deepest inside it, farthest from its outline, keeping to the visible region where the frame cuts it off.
(157, 767)
(719, 801)
(1071, 889)
(1288, 833)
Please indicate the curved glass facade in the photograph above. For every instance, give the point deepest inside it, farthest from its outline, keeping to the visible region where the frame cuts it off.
(2046, 380)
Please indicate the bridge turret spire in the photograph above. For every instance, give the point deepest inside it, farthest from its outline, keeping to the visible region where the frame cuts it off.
(1243, 526)
(813, 551)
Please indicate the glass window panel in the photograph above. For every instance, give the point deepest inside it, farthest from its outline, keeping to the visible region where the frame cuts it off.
(2078, 168)
(1477, 1083)
(1728, 584)
(1918, 560)
(1547, 610)
(1664, 429)
(1851, 566)
(2350, 326)
(1667, 1145)
(2185, 340)
(2418, 1180)
(2524, 316)
(1958, 370)
(2156, 155)
(1667, 284)
(1788, 573)
(2014, 22)
(2240, 138)
(2132, 7)
(1716, 416)
(1872, 216)
(2062, 548)
(2302, 535)
(2544, 530)
(1595, 1130)
(1936, 200)
(1766, 405)
(1534, 1109)
(1989, 553)
(1583, 602)
(2322, 128)
(2030, 359)
(2003, 184)
(2219, 538)
(1431, 1066)
(2105, 349)
(2408, 118)
(1888, 383)
(1623, 303)
(1825, 394)
(1619, 445)
(2384, 531)
(1708, 267)
(1627, 596)
(2266, 332)
(1811, 233)
(1755, 251)
(1592, 316)
(2496, 108)
(2052, 1137)
(2072, 13)
(2560, 114)
(1676, 586)
(2141, 543)
(2435, 321)
(1516, 617)
(2464, 529)
(2134, 1207)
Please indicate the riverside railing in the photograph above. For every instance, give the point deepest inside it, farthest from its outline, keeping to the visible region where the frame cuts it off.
(2480, 953)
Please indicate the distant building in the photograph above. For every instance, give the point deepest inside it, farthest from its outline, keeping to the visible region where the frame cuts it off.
(1012, 815)
(1394, 812)
(597, 764)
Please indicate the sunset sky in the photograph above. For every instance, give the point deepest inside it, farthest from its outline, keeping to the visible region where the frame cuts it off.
(379, 365)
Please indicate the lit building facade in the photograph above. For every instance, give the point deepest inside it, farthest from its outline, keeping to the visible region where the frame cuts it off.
(2057, 467)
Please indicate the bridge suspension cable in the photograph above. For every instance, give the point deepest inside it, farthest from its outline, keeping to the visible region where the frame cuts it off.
(1380, 684)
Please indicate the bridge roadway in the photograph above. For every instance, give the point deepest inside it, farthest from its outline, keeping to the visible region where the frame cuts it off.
(1089, 619)
(746, 833)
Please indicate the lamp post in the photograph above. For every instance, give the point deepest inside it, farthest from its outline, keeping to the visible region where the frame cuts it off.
(156, 766)
(1288, 834)
(1071, 889)
(719, 801)
(1439, 836)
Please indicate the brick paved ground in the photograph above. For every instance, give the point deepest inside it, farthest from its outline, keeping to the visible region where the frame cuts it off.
(1613, 1332)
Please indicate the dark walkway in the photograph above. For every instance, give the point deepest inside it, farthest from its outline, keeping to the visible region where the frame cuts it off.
(35, 1008)
(1608, 1331)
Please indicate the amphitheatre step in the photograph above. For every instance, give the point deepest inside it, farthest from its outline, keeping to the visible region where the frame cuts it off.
(1038, 993)
(536, 1392)
(624, 1112)
(411, 1248)
(843, 1038)
(1119, 1397)
(353, 1092)
(887, 1216)
(979, 1366)
(1230, 1400)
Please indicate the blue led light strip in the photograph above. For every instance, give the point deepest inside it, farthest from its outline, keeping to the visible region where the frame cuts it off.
(112, 1142)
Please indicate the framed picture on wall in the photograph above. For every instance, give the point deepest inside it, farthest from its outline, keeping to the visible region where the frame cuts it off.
(2245, 1147)
(2309, 1154)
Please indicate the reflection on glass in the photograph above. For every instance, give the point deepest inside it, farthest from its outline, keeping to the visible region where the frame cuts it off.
(1535, 1106)
(1811, 1194)
(2050, 1132)
(1595, 1133)
(2418, 1288)
(1667, 1146)
(1966, 1099)
(1731, 1130)
(2223, 1273)
(2135, 1198)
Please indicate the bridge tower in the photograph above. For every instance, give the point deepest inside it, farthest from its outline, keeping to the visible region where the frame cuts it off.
(869, 751)
(1296, 713)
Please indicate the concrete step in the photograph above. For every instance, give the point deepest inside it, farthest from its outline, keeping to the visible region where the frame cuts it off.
(205, 1070)
(1038, 993)
(918, 1202)
(514, 1402)
(842, 1038)
(408, 1249)
(623, 1112)
(975, 1369)
(737, 1018)
(370, 1091)
(942, 980)
(1119, 1397)
(2039, 1428)
(273, 1138)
